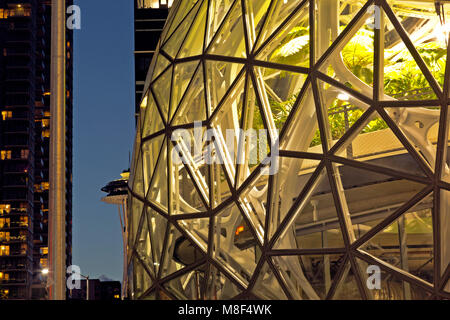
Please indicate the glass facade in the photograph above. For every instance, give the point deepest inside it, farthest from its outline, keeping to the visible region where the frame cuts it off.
(294, 150)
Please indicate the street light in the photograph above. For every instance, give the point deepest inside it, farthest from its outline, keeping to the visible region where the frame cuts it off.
(87, 285)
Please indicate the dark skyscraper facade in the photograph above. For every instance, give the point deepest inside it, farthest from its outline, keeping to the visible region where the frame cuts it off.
(25, 58)
(149, 19)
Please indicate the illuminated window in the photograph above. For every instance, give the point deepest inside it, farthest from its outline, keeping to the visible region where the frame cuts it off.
(4, 250)
(19, 10)
(45, 123)
(5, 236)
(5, 208)
(3, 14)
(5, 154)
(24, 221)
(46, 133)
(44, 250)
(24, 153)
(6, 115)
(45, 185)
(4, 223)
(116, 296)
(44, 262)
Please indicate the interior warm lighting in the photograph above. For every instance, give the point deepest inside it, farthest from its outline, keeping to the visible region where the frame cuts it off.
(343, 97)
(441, 32)
(45, 271)
(239, 230)
(144, 102)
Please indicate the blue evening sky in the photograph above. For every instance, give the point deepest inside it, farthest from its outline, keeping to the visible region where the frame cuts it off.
(103, 130)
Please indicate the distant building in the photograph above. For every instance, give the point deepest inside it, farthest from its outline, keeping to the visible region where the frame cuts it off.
(98, 290)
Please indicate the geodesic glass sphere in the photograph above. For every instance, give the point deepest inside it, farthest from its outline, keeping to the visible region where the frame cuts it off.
(289, 152)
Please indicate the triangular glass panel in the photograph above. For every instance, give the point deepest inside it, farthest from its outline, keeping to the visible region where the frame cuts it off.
(309, 277)
(358, 55)
(220, 187)
(138, 178)
(217, 11)
(193, 106)
(407, 243)
(316, 215)
(189, 176)
(391, 287)
(182, 78)
(161, 64)
(230, 39)
(157, 225)
(158, 193)
(301, 129)
(343, 111)
(290, 45)
(277, 14)
(134, 220)
(143, 247)
(428, 31)
(193, 45)
(377, 144)
(253, 201)
(253, 141)
(151, 150)
(235, 248)
(347, 288)
(256, 15)
(421, 127)
(198, 231)
(161, 87)
(291, 172)
(318, 273)
(226, 123)
(352, 61)
(174, 239)
(141, 279)
(267, 286)
(219, 286)
(370, 196)
(281, 89)
(183, 12)
(152, 120)
(187, 286)
(403, 79)
(175, 41)
(220, 77)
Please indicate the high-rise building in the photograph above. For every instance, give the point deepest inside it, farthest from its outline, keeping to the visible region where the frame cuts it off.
(149, 19)
(25, 57)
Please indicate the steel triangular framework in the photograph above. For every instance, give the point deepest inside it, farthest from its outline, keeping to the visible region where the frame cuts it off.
(354, 98)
